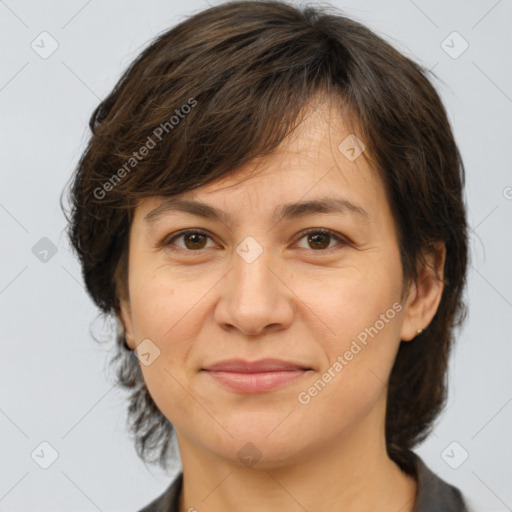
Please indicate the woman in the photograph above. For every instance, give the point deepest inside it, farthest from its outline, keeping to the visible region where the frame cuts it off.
(271, 204)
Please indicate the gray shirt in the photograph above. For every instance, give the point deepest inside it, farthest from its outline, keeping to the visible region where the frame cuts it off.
(433, 495)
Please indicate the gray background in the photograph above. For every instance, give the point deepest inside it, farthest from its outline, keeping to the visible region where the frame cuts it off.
(55, 384)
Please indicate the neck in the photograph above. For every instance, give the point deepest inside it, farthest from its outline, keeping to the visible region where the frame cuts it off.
(353, 475)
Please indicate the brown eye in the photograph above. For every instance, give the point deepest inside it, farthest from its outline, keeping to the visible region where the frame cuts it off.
(193, 241)
(320, 239)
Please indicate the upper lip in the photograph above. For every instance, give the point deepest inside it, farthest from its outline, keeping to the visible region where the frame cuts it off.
(262, 365)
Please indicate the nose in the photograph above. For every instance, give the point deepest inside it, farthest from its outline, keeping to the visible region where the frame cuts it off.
(255, 298)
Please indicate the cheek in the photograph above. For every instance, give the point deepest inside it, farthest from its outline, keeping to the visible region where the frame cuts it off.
(153, 310)
(161, 302)
(353, 304)
(362, 310)
(161, 312)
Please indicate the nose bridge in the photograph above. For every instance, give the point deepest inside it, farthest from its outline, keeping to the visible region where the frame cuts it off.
(252, 275)
(251, 272)
(254, 297)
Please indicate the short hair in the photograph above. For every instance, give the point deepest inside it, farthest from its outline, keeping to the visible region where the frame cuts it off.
(226, 85)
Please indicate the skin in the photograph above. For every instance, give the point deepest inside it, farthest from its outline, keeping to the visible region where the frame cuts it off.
(294, 302)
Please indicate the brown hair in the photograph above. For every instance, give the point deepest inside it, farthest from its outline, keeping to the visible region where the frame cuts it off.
(227, 85)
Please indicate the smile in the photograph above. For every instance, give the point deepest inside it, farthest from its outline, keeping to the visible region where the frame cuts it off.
(255, 382)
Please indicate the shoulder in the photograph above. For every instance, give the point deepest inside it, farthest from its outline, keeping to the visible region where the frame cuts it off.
(434, 494)
(168, 500)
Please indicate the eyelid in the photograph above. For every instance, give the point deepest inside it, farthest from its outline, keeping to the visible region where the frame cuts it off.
(166, 242)
(342, 240)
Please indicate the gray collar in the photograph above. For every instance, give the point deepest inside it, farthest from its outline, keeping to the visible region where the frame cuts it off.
(434, 494)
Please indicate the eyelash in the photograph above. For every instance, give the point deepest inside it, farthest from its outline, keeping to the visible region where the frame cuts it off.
(168, 242)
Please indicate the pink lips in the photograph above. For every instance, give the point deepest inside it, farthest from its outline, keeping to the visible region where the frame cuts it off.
(255, 377)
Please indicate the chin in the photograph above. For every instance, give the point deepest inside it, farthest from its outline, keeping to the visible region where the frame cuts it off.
(267, 448)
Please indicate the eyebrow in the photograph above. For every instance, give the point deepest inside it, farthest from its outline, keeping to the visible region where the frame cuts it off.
(282, 212)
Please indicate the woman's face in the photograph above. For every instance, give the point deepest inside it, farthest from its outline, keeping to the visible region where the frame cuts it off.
(252, 285)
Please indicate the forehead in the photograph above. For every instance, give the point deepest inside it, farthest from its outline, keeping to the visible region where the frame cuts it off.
(322, 160)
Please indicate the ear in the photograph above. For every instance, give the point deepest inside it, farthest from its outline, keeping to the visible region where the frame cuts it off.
(125, 317)
(425, 294)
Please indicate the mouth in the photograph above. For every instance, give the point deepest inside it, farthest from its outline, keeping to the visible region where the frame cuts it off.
(257, 376)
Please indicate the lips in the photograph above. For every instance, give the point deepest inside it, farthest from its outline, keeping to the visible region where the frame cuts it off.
(263, 365)
(255, 376)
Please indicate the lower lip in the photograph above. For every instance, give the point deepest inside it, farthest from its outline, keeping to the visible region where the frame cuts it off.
(256, 382)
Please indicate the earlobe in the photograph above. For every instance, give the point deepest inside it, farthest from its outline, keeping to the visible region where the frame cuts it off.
(425, 295)
(125, 317)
